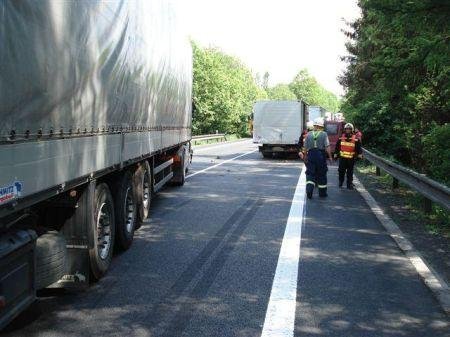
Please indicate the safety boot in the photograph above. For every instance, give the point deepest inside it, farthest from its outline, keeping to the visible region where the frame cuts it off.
(323, 193)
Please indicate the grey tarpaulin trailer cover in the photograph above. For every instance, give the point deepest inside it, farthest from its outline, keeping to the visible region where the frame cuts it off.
(88, 87)
(85, 85)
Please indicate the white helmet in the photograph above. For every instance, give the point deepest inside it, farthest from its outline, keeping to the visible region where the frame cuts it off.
(309, 126)
(319, 122)
(349, 126)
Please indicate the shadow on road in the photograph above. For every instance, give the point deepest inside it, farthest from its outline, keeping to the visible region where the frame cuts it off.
(354, 280)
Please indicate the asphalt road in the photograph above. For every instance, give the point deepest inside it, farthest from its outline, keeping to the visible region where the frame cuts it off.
(204, 264)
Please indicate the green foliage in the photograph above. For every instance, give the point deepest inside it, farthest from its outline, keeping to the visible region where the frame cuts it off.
(305, 87)
(437, 152)
(223, 93)
(398, 80)
(281, 92)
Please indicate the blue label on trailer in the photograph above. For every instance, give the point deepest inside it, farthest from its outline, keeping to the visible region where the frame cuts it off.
(11, 192)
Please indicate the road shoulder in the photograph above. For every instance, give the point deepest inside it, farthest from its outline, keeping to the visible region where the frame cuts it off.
(432, 279)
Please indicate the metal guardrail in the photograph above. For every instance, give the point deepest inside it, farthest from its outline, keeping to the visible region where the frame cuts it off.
(429, 188)
(213, 136)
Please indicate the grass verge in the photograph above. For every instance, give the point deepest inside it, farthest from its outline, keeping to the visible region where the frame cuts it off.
(406, 203)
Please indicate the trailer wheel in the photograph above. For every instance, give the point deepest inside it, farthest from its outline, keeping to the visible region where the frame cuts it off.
(50, 259)
(142, 180)
(267, 154)
(104, 231)
(126, 211)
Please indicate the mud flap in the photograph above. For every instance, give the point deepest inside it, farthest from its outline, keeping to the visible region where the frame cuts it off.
(79, 237)
(181, 160)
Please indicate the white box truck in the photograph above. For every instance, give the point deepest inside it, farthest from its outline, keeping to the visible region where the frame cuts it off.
(315, 111)
(277, 126)
(95, 117)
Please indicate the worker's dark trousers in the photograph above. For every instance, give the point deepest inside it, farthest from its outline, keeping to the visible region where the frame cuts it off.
(346, 166)
(316, 172)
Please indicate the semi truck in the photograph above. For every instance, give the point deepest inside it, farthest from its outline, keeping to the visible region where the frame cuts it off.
(277, 126)
(95, 117)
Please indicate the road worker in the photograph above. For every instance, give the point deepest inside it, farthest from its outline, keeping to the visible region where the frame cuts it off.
(348, 148)
(317, 147)
(301, 141)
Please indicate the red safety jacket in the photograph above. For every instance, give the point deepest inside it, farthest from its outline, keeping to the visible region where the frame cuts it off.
(347, 149)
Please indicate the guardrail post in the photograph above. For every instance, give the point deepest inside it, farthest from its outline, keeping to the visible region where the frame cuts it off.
(394, 183)
(427, 206)
(378, 171)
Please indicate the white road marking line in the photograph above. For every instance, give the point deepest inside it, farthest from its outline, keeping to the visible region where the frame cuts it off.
(224, 162)
(280, 314)
(431, 278)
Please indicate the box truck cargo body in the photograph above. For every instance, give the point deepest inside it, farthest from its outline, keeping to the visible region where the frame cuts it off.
(277, 126)
(95, 116)
(314, 112)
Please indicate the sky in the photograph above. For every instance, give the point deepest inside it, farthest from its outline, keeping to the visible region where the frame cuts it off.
(278, 36)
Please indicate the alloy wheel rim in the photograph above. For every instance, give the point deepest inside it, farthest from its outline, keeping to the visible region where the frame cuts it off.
(104, 230)
(129, 211)
(146, 189)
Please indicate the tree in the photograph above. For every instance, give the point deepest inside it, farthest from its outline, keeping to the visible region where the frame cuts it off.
(265, 82)
(281, 92)
(224, 92)
(306, 88)
(398, 76)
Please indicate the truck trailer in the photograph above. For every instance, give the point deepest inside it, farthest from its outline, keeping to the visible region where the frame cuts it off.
(95, 117)
(277, 126)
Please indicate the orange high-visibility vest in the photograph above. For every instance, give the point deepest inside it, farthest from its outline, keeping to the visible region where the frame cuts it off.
(347, 147)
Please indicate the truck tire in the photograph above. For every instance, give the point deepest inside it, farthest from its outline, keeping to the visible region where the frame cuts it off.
(104, 231)
(267, 154)
(142, 180)
(50, 259)
(126, 211)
